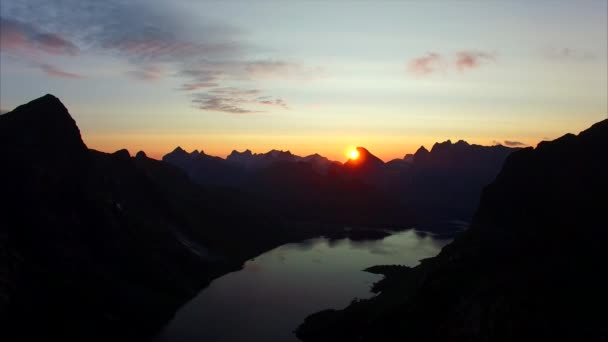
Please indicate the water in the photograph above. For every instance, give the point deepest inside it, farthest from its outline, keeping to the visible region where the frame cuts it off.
(273, 293)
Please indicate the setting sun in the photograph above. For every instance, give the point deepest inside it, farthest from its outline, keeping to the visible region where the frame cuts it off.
(353, 154)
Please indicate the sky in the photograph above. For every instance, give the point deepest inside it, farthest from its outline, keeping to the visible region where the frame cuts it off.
(309, 76)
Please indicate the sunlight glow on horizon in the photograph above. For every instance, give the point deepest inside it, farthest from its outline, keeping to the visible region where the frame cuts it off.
(387, 76)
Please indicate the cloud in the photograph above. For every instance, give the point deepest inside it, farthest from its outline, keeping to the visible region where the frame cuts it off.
(471, 59)
(56, 72)
(512, 143)
(433, 62)
(4, 111)
(268, 67)
(197, 86)
(276, 102)
(220, 103)
(146, 73)
(425, 65)
(26, 38)
(139, 30)
(567, 54)
(272, 68)
(232, 100)
(203, 53)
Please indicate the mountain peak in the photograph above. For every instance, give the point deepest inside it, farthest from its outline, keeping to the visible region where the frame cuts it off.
(43, 123)
(365, 160)
(422, 149)
(421, 155)
(441, 146)
(461, 143)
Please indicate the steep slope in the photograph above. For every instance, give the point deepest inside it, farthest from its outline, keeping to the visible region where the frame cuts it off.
(98, 246)
(532, 266)
(446, 182)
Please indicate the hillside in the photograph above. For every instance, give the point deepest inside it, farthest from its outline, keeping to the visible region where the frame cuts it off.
(530, 267)
(98, 246)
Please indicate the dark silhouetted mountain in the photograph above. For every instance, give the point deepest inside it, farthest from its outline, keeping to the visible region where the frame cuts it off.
(319, 163)
(431, 187)
(205, 169)
(309, 190)
(531, 267)
(106, 247)
(251, 160)
(365, 160)
(255, 161)
(446, 182)
(365, 167)
(421, 155)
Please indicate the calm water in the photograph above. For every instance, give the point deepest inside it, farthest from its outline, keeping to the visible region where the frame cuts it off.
(273, 293)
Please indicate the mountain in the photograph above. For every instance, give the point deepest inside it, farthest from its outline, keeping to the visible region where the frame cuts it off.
(532, 265)
(365, 167)
(206, 170)
(425, 189)
(319, 163)
(255, 161)
(97, 246)
(446, 181)
(310, 192)
(262, 160)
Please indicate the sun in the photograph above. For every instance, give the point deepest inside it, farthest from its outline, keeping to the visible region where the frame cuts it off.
(353, 154)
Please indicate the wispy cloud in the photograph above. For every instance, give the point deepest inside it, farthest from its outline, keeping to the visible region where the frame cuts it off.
(57, 72)
(425, 65)
(272, 68)
(221, 103)
(434, 62)
(567, 54)
(147, 73)
(204, 54)
(268, 67)
(268, 101)
(197, 86)
(20, 37)
(510, 143)
(513, 143)
(232, 100)
(472, 59)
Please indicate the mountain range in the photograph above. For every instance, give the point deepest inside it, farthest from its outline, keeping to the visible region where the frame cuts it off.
(531, 267)
(421, 189)
(105, 246)
(100, 246)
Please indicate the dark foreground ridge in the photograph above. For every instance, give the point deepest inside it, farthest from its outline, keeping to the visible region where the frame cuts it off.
(106, 247)
(532, 266)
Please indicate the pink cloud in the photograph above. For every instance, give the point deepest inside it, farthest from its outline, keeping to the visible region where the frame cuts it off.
(471, 59)
(433, 62)
(56, 72)
(25, 38)
(147, 73)
(197, 86)
(425, 65)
